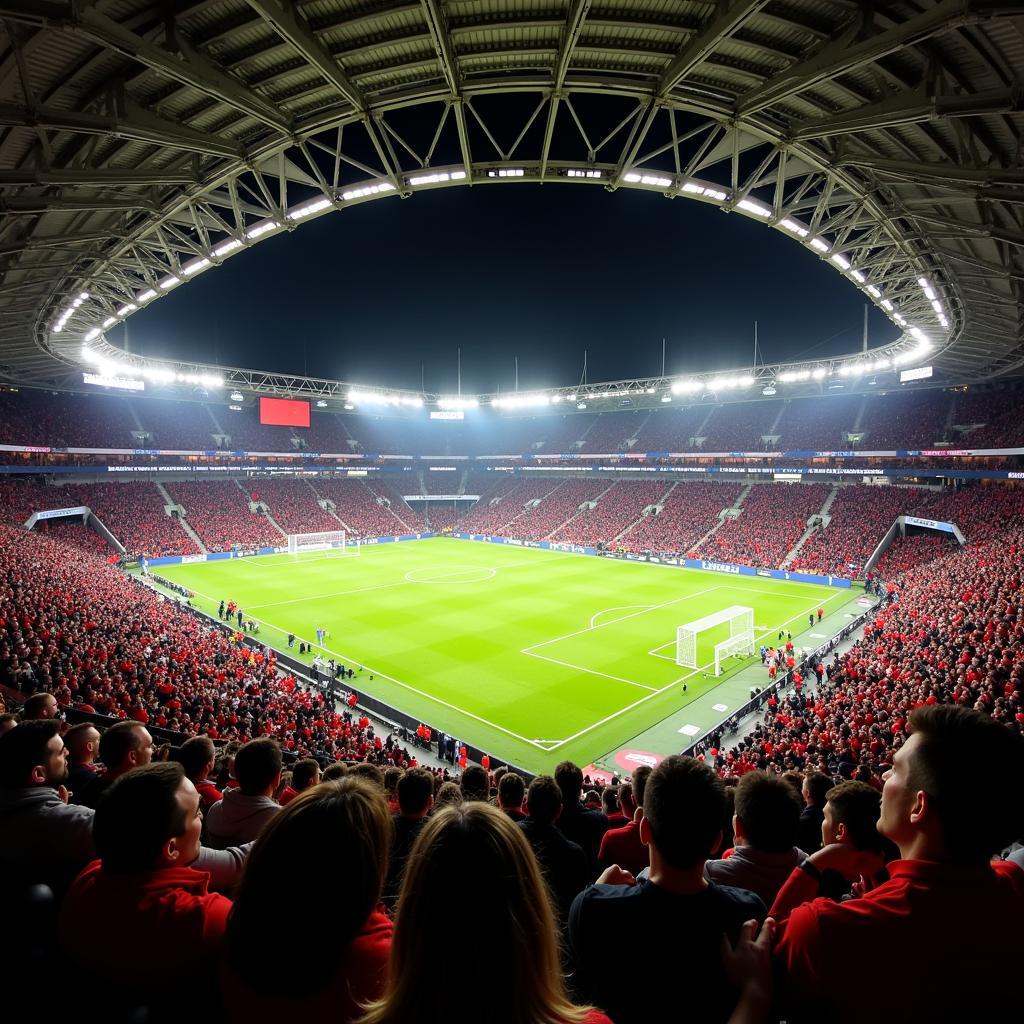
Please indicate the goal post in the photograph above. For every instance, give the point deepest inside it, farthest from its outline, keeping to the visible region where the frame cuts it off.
(333, 542)
(740, 641)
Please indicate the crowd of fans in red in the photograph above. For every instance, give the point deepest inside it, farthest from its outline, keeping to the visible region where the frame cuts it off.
(859, 519)
(690, 511)
(559, 505)
(615, 510)
(756, 873)
(218, 510)
(356, 505)
(293, 504)
(955, 634)
(771, 521)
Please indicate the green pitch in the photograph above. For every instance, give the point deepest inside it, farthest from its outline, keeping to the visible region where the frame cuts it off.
(536, 656)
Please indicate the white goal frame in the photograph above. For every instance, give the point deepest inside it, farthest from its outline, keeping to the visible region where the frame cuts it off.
(740, 642)
(333, 542)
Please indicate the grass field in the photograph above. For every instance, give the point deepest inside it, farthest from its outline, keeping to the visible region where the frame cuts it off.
(534, 655)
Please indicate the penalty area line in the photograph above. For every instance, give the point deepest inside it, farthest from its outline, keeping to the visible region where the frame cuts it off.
(689, 675)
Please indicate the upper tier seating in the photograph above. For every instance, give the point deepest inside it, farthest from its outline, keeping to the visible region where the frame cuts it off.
(739, 427)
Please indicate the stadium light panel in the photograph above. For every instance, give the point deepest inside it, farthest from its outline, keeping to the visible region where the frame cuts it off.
(840, 261)
(127, 308)
(225, 247)
(434, 179)
(93, 334)
(308, 209)
(236, 396)
(368, 190)
(936, 305)
(521, 401)
(261, 229)
(704, 190)
(820, 244)
(687, 387)
(819, 373)
(195, 266)
(900, 322)
(109, 322)
(797, 229)
(648, 179)
(83, 296)
(581, 405)
(581, 172)
(168, 282)
(321, 404)
(666, 398)
(235, 408)
(506, 172)
(148, 294)
(873, 291)
(754, 207)
(457, 402)
(858, 276)
(886, 304)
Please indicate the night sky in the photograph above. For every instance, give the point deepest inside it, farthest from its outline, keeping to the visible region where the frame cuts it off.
(539, 271)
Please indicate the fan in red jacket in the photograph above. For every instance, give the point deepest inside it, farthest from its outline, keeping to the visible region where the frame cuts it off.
(948, 918)
(147, 833)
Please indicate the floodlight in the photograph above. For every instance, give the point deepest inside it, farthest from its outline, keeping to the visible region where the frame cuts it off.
(820, 244)
(840, 261)
(236, 396)
(754, 207)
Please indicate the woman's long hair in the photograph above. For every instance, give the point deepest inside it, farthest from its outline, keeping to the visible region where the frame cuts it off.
(472, 867)
(315, 874)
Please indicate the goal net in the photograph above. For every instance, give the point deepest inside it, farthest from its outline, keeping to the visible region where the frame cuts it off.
(333, 542)
(740, 641)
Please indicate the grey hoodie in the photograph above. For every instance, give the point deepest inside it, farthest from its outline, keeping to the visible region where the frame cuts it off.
(45, 839)
(238, 818)
(49, 841)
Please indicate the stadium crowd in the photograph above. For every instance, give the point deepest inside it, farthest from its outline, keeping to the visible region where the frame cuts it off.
(615, 511)
(759, 894)
(218, 510)
(690, 511)
(771, 521)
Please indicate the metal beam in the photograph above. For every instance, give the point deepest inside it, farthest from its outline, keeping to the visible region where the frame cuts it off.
(187, 65)
(909, 108)
(141, 126)
(43, 204)
(57, 242)
(578, 11)
(442, 45)
(728, 18)
(290, 27)
(839, 57)
(942, 173)
(93, 176)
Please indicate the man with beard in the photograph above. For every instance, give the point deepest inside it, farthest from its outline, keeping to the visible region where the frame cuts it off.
(42, 837)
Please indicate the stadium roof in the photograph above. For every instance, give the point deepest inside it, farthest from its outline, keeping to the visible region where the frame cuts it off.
(142, 143)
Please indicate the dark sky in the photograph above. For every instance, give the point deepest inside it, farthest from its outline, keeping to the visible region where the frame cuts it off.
(542, 272)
